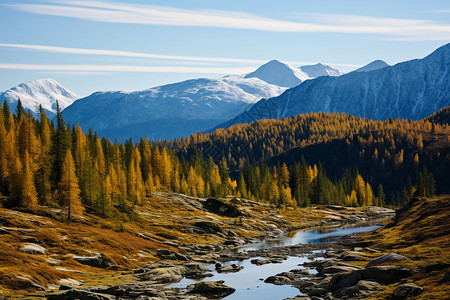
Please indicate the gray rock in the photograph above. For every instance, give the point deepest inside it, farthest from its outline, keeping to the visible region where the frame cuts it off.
(229, 269)
(391, 257)
(362, 289)
(33, 249)
(195, 270)
(99, 260)
(209, 227)
(212, 289)
(381, 274)
(260, 261)
(407, 290)
(171, 255)
(318, 292)
(338, 269)
(163, 274)
(351, 256)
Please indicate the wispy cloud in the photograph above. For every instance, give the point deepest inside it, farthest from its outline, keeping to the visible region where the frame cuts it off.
(185, 59)
(68, 50)
(117, 12)
(124, 68)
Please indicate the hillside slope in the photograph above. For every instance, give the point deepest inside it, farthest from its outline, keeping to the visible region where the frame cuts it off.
(421, 232)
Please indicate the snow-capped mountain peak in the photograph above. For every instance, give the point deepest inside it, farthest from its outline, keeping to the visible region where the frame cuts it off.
(318, 70)
(279, 73)
(375, 65)
(43, 92)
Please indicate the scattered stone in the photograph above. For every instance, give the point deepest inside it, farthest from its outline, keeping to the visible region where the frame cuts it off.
(407, 290)
(381, 274)
(351, 256)
(391, 257)
(338, 269)
(260, 261)
(335, 207)
(229, 269)
(171, 255)
(209, 227)
(99, 260)
(172, 244)
(195, 270)
(33, 249)
(53, 262)
(362, 289)
(212, 289)
(163, 274)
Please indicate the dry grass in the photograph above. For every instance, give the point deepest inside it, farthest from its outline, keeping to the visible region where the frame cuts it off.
(421, 233)
(160, 219)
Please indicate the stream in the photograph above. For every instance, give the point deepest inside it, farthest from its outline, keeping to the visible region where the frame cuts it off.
(249, 282)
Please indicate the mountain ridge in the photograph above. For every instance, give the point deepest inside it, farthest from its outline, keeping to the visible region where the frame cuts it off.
(37, 92)
(413, 89)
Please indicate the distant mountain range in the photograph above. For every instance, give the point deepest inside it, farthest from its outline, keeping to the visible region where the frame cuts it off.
(182, 108)
(411, 90)
(36, 92)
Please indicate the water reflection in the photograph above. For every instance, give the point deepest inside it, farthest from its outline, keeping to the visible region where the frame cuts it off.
(309, 236)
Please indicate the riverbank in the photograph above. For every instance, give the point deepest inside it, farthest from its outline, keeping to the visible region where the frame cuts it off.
(41, 254)
(407, 258)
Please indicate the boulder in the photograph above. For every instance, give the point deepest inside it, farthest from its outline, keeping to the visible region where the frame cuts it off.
(195, 270)
(381, 274)
(222, 208)
(209, 227)
(163, 274)
(362, 289)
(407, 290)
(338, 269)
(260, 261)
(351, 256)
(212, 289)
(171, 255)
(391, 257)
(229, 269)
(33, 249)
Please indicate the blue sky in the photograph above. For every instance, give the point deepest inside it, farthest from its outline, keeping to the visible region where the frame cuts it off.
(132, 45)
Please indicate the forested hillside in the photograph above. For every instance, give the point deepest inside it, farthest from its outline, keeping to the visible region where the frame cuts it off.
(392, 152)
(56, 165)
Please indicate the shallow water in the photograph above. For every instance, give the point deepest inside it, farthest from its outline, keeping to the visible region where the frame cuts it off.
(248, 283)
(309, 236)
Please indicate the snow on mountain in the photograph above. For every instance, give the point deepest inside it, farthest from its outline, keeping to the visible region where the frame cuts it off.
(169, 111)
(318, 70)
(375, 65)
(279, 73)
(42, 91)
(411, 90)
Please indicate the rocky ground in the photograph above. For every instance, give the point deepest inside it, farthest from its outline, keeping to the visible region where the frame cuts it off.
(348, 269)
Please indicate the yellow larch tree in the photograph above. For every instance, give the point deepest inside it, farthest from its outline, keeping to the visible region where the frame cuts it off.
(68, 190)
